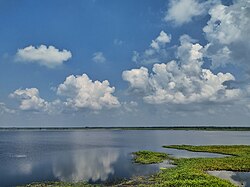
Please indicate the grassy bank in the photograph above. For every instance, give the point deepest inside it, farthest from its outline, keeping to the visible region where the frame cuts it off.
(192, 171)
(149, 157)
(189, 172)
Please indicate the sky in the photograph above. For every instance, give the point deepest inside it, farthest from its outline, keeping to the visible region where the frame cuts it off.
(124, 63)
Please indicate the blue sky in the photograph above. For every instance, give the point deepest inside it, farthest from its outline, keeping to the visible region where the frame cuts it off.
(124, 63)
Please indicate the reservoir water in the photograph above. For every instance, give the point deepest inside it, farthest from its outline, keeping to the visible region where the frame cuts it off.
(96, 156)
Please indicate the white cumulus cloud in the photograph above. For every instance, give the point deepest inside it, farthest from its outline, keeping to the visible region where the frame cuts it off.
(99, 57)
(50, 56)
(30, 99)
(183, 81)
(138, 78)
(183, 11)
(161, 40)
(82, 92)
(156, 51)
(4, 109)
(227, 32)
(76, 92)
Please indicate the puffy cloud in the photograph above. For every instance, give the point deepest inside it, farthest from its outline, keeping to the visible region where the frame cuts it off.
(183, 11)
(182, 82)
(156, 52)
(161, 40)
(30, 99)
(82, 92)
(4, 109)
(99, 57)
(227, 32)
(43, 55)
(137, 78)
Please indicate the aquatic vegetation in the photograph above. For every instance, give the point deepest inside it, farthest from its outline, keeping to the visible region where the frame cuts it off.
(236, 150)
(192, 171)
(149, 157)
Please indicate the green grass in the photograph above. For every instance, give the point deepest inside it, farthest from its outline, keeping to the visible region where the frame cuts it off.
(237, 150)
(238, 161)
(149, 157)
(189, 172)
(192, 171)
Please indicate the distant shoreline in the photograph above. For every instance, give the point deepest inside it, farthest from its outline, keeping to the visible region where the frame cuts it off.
(198, 128)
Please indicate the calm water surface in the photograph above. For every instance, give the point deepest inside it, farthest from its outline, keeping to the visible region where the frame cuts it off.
(241, 179)
(94, 155)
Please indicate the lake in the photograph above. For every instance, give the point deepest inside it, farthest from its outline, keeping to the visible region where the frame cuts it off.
(96, 156)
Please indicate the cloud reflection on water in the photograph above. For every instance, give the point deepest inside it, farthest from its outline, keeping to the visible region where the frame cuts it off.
(91, 165)
(238, 178)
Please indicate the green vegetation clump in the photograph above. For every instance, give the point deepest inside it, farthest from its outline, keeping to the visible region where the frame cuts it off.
(149, 157)
(237, 159)
(192, 171)
(236, 150)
